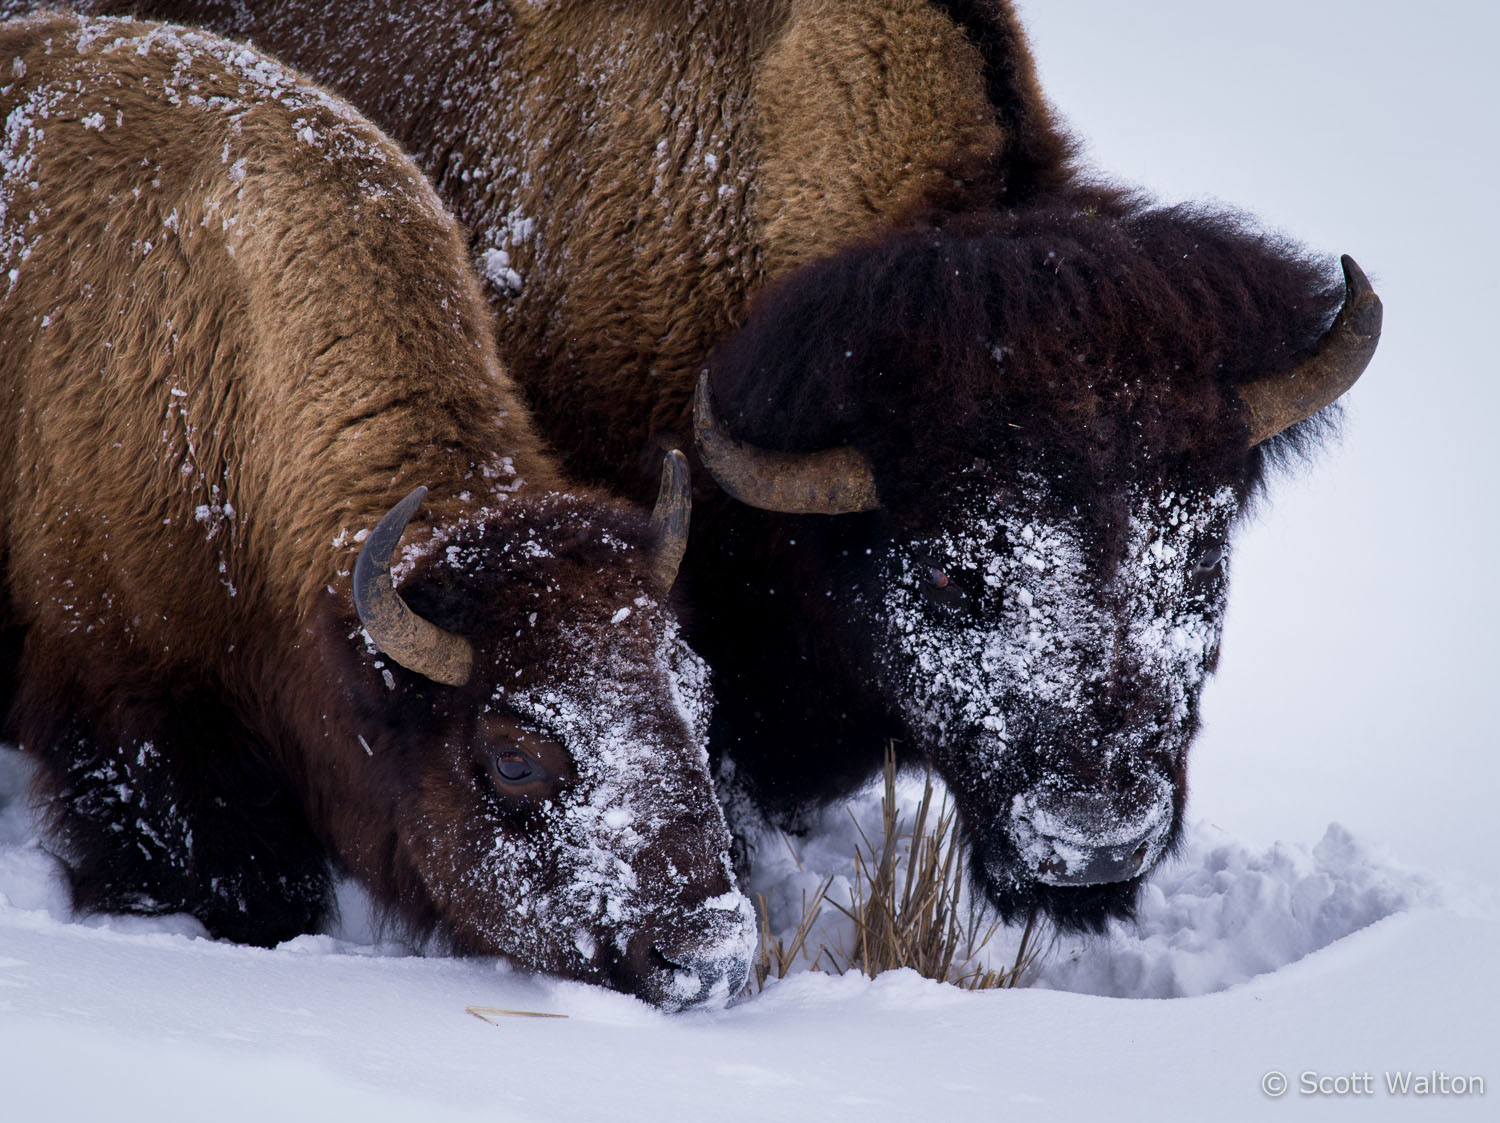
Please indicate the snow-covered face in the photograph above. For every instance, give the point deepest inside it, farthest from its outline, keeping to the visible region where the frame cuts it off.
(1050, 668)
(569, 821)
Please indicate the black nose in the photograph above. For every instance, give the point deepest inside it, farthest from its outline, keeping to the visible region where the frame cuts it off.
(1068, 863)
(679, 973)
(693, 980)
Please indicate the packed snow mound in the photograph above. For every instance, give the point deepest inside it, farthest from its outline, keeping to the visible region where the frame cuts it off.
(1223, 913)
(1218, 914)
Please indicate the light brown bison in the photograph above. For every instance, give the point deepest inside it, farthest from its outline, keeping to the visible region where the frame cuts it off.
(238, 326)
(1035, 405)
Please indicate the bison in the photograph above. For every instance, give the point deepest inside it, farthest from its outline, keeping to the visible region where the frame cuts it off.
(981, 427)
(238, 328)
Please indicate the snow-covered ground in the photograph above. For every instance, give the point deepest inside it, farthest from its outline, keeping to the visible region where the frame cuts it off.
(1354, 688)
(1318, 959)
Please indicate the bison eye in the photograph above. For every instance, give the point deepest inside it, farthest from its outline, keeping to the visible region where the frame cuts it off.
(511, 768)
(1209, 560)
(520, 766)
(941, 587)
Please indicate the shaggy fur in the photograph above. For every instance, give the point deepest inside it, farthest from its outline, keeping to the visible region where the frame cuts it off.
(1093, 340)
(778, 183)
(238, 327)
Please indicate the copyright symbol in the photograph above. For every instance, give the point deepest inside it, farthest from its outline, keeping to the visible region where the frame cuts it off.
(1273, 1083)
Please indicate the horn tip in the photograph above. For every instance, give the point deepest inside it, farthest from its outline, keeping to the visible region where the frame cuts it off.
(675, 473)
(1354, 276)
(670, 518)
(404, 510)
(1365, 310)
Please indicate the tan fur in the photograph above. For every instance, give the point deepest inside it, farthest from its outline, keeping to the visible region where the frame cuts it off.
(134, 434)
(864, 110)
(772, 133)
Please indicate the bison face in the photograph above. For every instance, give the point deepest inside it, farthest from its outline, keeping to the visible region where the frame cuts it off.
(576, 829)
(561, 811)
(1049, 661)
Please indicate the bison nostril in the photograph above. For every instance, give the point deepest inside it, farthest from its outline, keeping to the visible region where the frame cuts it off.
(663, 962)
(694, 957)
(683, 980)
(1053, 867)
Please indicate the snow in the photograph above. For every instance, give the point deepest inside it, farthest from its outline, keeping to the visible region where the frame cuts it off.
(1327, 959)
(495, 265)
(1354, 686)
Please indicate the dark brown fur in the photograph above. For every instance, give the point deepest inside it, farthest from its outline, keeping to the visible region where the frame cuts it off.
(774, 183)
(238, 326)
(1129, 333)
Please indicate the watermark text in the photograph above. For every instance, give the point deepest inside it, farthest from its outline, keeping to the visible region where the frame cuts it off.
(1354, 1085)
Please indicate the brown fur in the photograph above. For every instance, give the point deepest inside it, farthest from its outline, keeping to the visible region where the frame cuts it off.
(672, 157)
(909, 117)
(862, 217)
(238, 326)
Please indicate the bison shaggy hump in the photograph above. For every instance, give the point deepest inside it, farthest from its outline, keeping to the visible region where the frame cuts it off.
(238, 327)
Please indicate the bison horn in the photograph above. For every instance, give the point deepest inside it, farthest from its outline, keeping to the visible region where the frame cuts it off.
(674, 506)
(417, 644)
(833, 481)
(1339, 358)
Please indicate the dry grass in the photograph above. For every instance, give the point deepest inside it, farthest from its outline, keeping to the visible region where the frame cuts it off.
(490, 1013)
(775, 956)
(906, 906)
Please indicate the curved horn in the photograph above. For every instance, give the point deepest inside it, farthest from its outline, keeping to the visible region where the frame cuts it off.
(417, 644)
(1339, 358)
(833, 481)
(674, 507)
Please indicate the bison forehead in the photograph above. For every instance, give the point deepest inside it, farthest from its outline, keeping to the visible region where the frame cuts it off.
(1048, 618)
(633, 716)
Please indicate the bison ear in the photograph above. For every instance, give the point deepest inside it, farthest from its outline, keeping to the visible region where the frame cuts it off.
(674, 507)
(833, 481)
(1275, 403)
(417, 644)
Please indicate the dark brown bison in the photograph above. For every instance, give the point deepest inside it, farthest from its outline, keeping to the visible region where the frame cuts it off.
(238, 327)
(1035, 405)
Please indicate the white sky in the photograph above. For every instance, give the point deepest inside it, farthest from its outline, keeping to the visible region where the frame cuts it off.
(1358, 671)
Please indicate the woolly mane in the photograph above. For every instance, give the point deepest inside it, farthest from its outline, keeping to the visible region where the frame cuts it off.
(1077, 338)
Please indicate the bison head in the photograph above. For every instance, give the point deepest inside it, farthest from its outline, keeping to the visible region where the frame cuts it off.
(1039, 429)
(546, 744)
(1050, 655)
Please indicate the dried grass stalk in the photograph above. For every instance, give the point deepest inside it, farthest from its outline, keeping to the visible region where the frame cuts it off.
(489, 1013)
(775, 956)
(906, 906)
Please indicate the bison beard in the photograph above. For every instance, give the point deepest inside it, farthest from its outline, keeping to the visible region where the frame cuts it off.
(229, 349)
